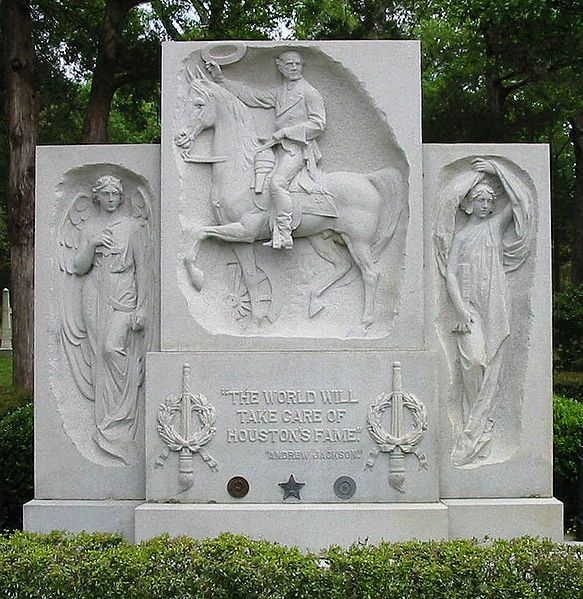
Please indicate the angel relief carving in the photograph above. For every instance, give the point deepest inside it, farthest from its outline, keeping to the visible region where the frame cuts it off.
(496, 206)
(105, 242)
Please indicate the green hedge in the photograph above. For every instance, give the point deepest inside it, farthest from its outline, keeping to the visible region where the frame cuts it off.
(11, 398)
(234, 567)
(567, 439)
(16, 464)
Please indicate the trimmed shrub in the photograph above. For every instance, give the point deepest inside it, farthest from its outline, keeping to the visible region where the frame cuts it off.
(12, 399)
(567, 439)
(234, 567)
(16, 463)
(569, 384)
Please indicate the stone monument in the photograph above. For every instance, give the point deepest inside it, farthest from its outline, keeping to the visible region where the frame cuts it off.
(292, 320)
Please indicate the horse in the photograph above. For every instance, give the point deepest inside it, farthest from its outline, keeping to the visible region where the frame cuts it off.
(365, 220)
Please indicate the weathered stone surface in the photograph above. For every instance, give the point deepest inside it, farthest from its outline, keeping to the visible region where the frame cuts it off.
(362, 280)
(76, 516)
(97, 313)
(502, 446)
(505, 518)
(343, 349)
(312, 527)
(264, 416)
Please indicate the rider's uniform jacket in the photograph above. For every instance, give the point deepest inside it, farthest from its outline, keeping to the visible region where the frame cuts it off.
(299, 111)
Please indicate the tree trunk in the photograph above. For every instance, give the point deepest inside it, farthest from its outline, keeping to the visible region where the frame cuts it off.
(577, 256)
(22, 121)
(104, 83)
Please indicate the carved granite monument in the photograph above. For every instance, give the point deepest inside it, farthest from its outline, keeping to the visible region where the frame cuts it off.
(346, 208)
(269, 156)
(474, 260)
(325, 332)
(106, 258)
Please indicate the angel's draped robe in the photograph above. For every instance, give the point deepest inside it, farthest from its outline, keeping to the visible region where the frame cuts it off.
(109, 303)
(484, 289)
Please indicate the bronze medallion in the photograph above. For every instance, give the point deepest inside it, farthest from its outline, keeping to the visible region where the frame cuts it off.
(344, 487)
(238, 486)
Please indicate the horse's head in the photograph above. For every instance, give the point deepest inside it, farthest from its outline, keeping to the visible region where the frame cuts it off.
(214, 106)
(204, 113)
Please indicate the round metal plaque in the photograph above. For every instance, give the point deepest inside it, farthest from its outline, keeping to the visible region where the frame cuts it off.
(344, 487)
(238, 486)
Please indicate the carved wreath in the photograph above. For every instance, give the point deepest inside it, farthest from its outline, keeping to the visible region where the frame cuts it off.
(173, 439)
(382, 437)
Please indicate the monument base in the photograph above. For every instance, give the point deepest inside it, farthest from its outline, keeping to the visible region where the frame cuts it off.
(307, 526)
(115, 516)
(505, 518)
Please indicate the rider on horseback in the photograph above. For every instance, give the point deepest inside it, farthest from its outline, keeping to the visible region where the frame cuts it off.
(300, 116)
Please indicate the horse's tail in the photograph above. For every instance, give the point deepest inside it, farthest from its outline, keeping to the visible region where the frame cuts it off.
(390, 186)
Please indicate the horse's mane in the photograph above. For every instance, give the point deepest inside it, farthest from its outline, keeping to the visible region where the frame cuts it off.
(243, 124)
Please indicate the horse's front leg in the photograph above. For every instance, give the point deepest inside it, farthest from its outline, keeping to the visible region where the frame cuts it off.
(233, 232)
(252, 227)
(253, 278)
(195, 274)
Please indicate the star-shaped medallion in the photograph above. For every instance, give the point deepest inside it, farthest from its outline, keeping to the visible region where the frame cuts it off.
(291, 488)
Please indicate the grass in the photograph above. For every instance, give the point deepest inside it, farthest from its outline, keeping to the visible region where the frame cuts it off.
(5, 372)
(10, 397)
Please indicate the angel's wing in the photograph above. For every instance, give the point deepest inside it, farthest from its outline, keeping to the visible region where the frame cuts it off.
(73, 330)
(141, 210)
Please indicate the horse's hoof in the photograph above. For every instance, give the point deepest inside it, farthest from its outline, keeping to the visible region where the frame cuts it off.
(315, 305)
(195, 275)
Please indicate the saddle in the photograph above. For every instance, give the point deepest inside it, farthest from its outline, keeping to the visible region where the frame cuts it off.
(309, 196)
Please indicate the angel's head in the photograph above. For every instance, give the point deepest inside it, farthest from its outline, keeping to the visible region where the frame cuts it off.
(108, 193)
(479, 200)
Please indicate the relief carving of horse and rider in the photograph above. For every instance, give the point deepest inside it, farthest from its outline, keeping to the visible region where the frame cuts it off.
(274, 190)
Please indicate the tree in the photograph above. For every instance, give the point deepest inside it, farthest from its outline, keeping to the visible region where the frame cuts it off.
(22, 124)
(117, 64)
(491, 77)
(577, 139)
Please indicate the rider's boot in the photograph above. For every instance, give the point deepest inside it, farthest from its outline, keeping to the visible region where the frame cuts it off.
(282, 232)
(283, 223)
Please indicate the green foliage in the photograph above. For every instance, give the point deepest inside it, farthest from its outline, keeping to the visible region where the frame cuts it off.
(233, 567)
(353, 19)
(16, 463)
(5, 372)
(567, 440)
(569, 384)
(135, 117)
(568, 329)
(11, 398)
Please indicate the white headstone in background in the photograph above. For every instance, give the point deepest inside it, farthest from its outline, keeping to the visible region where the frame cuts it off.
(6, 343)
